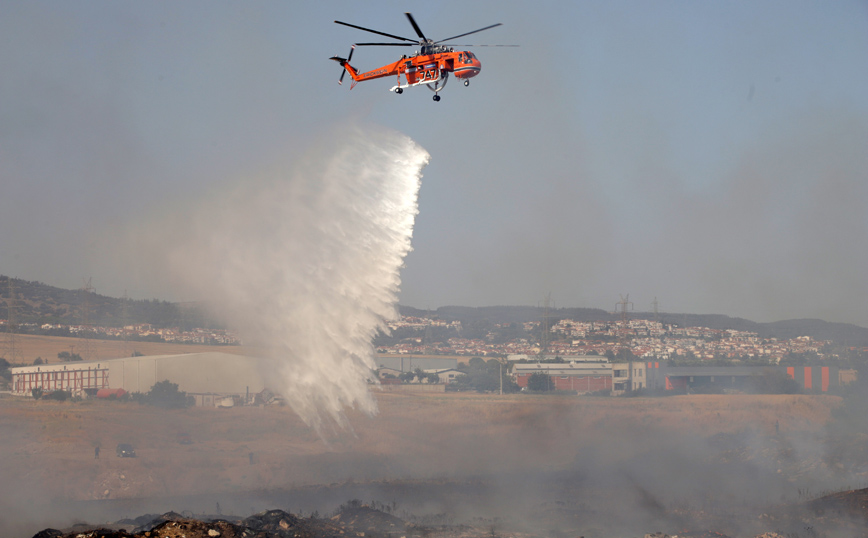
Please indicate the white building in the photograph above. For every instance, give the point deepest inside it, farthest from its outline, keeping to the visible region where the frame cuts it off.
(202, 375)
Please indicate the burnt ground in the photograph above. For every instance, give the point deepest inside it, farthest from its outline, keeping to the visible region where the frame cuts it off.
(838, 514)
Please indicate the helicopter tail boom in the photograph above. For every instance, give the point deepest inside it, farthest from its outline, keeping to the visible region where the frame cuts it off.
(345, 63)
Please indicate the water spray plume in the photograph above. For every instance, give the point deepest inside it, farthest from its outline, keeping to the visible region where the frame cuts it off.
(309, 266)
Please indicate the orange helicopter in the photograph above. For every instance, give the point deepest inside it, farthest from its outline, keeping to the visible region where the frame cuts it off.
(430, 65)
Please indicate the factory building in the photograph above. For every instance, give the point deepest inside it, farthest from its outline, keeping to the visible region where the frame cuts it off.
(575, 376)
(207, 377)
(702, 378)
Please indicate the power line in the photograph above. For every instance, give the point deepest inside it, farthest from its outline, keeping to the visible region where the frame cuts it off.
(622, 306)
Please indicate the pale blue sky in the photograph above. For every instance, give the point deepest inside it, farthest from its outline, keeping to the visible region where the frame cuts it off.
(711, 154)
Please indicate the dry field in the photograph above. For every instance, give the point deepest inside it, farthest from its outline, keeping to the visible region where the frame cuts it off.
(29, 347)
(513, 442)
(51, 444)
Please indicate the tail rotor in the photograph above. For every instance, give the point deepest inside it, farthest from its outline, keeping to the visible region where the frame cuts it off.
(349, 57)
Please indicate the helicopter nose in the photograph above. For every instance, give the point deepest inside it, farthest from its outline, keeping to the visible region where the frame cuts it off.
(477, 67)
(469, 70)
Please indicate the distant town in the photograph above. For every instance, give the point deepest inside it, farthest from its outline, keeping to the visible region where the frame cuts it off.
(137, 332)
(643, 338)
(632, 339)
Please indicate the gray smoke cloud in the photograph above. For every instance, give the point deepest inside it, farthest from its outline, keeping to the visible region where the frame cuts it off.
(305, 262)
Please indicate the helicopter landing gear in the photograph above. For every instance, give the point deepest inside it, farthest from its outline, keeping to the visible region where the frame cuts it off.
(399, 91)
(436, 97)
(467, 83)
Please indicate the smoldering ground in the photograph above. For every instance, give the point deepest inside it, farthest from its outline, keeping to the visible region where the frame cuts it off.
(544, 465)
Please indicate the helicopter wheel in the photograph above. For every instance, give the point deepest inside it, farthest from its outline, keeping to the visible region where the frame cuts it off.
(467, 83)
(436, 97)
(399, 91)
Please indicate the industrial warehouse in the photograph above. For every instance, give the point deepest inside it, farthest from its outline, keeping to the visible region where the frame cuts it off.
(212, 377)
(208, 377)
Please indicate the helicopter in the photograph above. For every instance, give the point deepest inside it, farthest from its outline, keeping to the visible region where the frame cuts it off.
(430, 65)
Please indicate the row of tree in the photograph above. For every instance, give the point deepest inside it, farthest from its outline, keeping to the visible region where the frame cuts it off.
(163, 394)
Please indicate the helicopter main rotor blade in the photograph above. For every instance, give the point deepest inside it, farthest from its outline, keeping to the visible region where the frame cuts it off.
(468, 33)
(416, 27)
(376, 32)
(454, 45)
(386, 44)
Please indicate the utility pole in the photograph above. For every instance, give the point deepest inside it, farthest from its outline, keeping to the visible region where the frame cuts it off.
(501, 377)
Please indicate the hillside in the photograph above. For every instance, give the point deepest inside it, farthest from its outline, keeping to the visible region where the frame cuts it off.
(845, 334)
(40, 303)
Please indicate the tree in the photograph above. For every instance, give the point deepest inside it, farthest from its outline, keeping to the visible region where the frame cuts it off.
(37, 361)
(4, 369)
(625, 355)
(483, 376)
(66, 356)
(476, 363)
(476, 329)
(407, 377)
(165, 394)
(540, 382)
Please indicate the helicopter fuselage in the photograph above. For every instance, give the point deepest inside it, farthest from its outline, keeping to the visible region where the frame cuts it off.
(423, 68)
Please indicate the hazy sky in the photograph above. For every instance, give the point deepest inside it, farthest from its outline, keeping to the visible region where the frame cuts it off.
(713, 155)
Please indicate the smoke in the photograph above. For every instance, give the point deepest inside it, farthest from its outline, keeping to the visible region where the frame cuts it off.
(306, 263)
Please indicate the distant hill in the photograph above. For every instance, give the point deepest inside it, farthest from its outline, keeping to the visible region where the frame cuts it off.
(40, 303)
(844, 334)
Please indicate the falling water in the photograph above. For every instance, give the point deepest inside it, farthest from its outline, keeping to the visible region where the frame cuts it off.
(308, 264)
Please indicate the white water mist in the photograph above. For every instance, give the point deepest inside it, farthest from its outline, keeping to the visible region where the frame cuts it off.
(308, 265)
